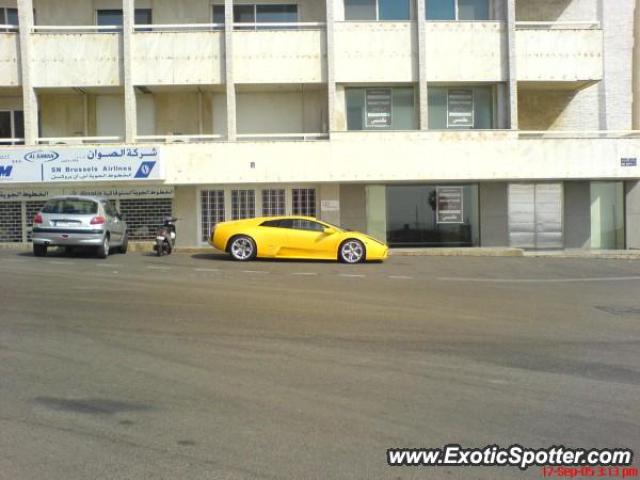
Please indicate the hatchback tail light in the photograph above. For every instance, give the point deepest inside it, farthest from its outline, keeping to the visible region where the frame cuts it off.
(99, 220)
(37, 220)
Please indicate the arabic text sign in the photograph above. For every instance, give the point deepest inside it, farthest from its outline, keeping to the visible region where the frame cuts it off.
(124, 193)
(24, 165)
(460, 108)
(378, 105)
(449, 205)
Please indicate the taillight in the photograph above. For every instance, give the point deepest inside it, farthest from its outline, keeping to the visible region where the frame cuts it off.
(99, 220)
(37, 220)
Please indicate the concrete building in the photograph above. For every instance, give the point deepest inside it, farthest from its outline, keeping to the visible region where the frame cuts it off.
(424, 123)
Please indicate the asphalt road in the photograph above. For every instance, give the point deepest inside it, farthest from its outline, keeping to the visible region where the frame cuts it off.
(195, 367)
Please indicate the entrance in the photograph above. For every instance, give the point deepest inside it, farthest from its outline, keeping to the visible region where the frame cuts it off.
(535, 215)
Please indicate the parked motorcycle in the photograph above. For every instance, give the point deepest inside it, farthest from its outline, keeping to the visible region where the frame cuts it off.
(166, 237)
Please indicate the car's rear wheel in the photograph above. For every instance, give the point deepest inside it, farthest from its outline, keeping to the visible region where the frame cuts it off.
(352, 251)
(39, 250)
(103, 250)
(242, 248)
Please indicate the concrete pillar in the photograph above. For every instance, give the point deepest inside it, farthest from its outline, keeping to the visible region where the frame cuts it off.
(353, 207)
(29, 97)
(636, 68)
(185, 207)
(494, 214)
(513, 77)
(130, 108)
(577, 214)
(330, 202)
(331, 80)
(423, 94)
(632, 214)
(228, 66)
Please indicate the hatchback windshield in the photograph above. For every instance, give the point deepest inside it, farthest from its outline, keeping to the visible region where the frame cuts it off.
(71, 206)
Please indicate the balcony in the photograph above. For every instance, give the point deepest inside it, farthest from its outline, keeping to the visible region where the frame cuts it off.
(280, 53)
(76, 56)
(9, 56)
(375, 52)
(178, 54)
(466, 52)
(559, 52)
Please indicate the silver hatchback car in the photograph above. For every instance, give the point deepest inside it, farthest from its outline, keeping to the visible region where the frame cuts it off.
(78, 221)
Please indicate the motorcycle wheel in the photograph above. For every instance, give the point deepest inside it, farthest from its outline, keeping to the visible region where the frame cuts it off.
(159, 248)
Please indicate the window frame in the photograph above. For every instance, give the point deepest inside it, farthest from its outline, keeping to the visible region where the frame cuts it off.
(493, 90)
(136, 11)
(456, 9)
(412, 13)
(393, 89)
(255, 12)
(12, 124)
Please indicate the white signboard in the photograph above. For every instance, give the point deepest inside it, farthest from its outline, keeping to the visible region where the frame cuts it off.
(378, 107)
(33, 165)
(449, 205)
(460, 108)
(330, 205)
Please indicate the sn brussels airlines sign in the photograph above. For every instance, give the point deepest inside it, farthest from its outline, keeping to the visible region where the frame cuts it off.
(24, 165)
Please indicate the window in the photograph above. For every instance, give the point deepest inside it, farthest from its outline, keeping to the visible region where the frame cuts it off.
(458, 10)
(272, 223)
(272, 202)
(114, 17)
(264, 13)
(304, 201)
(381, 108)
(71, 206)
(8, 16)
(461, 108)
(212, 208)
(12, 125)
(243, 204)
(301, 224)
(389, 10)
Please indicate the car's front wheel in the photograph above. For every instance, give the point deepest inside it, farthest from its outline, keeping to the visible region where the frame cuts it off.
(39, 250)
(352, 251)
(103, 250)
(125, 243)
(242, 248)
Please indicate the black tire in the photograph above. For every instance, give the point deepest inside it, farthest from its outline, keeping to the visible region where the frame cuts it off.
(39, 250)
(242, 248)
(159, 248)
(103, 250)
(125, 243)
(352, 251)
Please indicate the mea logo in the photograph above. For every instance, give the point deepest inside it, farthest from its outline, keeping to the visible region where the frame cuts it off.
(144, 170)
(5, 170)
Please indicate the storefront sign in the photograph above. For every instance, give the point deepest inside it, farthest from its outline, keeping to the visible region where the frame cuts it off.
(25, 165)
(629, 162)
(460, 108)
(449, 205)
(330, 205)
(378, 107)
(124, 193)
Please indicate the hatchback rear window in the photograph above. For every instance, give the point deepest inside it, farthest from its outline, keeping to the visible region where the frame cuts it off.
(71, 206)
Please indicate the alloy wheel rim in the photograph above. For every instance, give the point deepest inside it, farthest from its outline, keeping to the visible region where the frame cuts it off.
(106, 244)
(242, 249)
(352, 252)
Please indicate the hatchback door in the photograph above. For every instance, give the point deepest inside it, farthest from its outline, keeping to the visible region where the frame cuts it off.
(306, 239)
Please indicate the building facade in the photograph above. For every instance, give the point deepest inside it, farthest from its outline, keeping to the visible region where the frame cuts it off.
(421, 122)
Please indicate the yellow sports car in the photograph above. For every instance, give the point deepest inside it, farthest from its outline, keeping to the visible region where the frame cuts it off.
(294, 237)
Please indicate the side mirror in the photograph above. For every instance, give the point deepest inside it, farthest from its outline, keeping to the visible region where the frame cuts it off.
(329, 231)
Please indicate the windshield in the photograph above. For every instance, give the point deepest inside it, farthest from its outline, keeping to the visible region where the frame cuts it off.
(71, 206)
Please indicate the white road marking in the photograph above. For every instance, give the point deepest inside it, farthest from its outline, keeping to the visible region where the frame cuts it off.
(401, 277)
(56, 262)
(254, 271)
(208, 270)
(158, 268)
(352, 275)
(304, 273)
(109, 265)
(538, 280)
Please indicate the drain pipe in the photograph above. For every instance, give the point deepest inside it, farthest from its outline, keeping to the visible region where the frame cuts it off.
(636, 68)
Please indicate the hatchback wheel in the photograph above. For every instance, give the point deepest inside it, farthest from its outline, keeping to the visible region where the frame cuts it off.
(39, 250)
(103, 250)
(242, 248)
(352, 251)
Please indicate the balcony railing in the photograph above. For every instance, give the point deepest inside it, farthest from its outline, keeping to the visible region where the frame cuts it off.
(11, 141)
(562, 25)
(196, 138)
(279, 26)
(178, 27)
(8, 28)
(300, 137)
(79, 140)
(77, 28)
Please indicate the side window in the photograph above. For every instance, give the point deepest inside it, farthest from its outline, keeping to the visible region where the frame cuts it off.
(108, 208)
(271, 223)
(301, 224)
